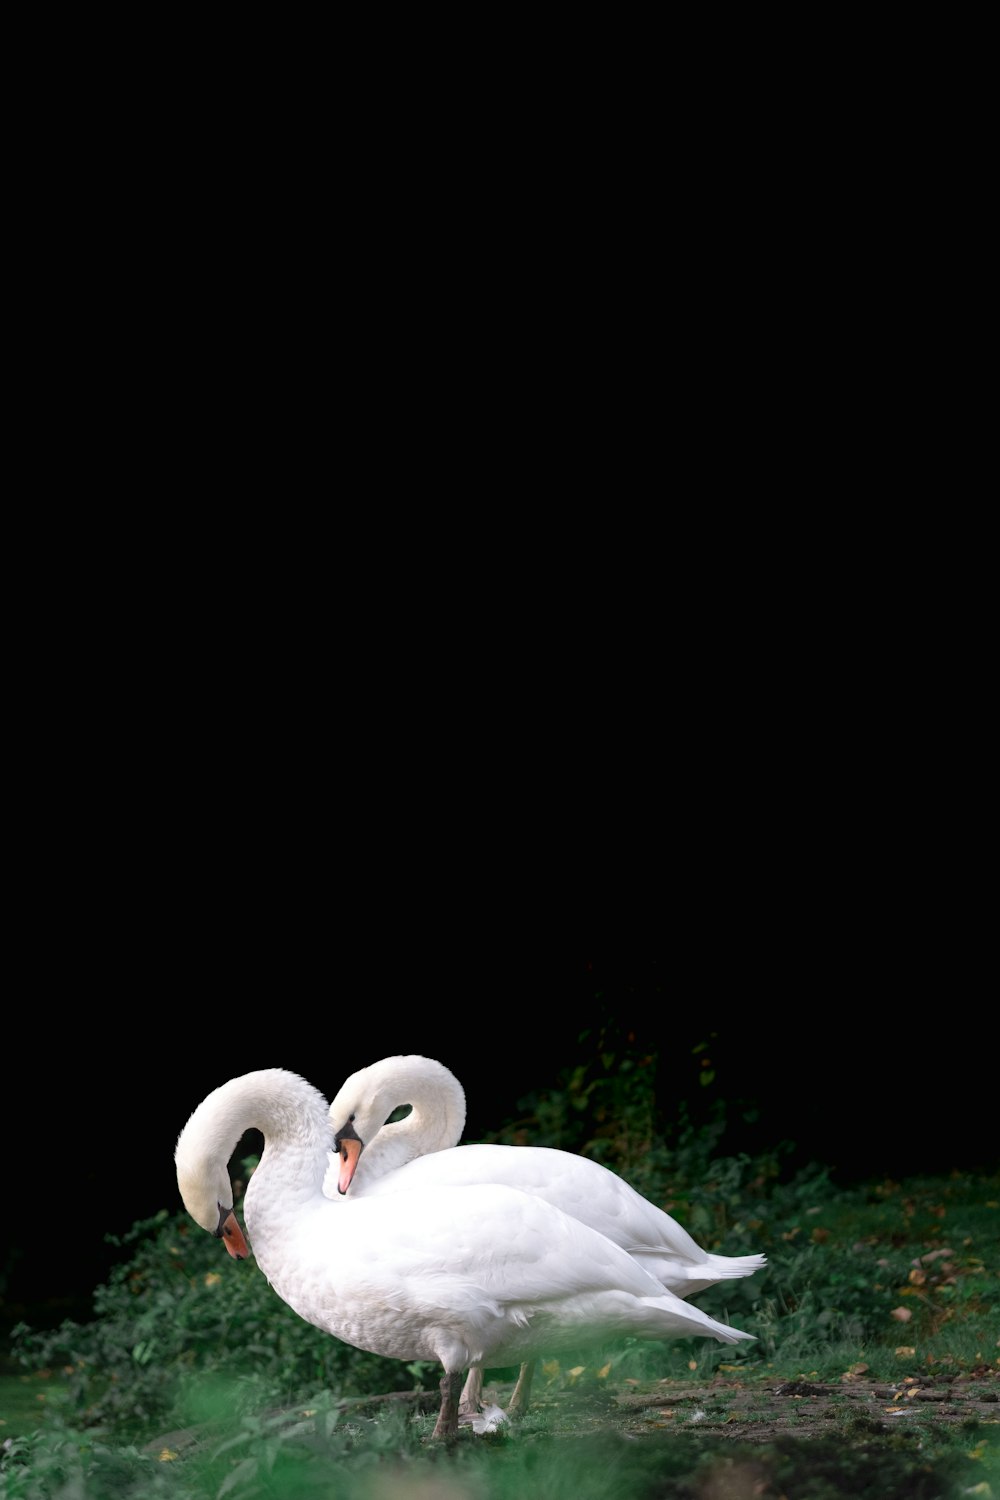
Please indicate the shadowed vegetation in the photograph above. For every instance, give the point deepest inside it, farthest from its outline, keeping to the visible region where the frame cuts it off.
(875, 1372)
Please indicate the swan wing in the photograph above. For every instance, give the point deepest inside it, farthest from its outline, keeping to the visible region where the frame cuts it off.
(470, 1274)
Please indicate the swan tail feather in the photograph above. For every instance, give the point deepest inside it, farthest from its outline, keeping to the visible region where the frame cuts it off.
(728, 1266)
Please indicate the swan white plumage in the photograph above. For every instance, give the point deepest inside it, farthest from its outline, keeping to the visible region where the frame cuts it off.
(420, 1151)
(464, 1276)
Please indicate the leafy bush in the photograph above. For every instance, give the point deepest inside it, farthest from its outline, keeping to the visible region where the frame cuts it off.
(181, 1305)
(183, 1337)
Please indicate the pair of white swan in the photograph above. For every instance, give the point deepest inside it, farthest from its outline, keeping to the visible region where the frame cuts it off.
(422, 1258)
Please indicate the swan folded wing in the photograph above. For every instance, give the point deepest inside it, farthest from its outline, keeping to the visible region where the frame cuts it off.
(594, 1193)
(485, 1241)
(505, 1245)
(583, 1188)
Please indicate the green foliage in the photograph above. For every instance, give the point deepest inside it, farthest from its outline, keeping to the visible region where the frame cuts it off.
(184, 1338)
(181, 1306)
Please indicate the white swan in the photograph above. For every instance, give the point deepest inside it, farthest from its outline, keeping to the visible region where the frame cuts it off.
(421, 1151)
(464, 1276)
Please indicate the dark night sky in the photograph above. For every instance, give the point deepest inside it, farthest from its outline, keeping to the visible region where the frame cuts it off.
(869, 1090)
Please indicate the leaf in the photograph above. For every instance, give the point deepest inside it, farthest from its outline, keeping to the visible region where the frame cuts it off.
(243, 1471)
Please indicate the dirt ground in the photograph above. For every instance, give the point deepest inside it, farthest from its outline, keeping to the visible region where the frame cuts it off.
(786, 1440)
(804, 1408)
(755, 1412)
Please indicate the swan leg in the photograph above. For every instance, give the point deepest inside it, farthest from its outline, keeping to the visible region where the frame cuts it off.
(446, 1425)
(471, 1403)
(518, 1403)
(472, 1393)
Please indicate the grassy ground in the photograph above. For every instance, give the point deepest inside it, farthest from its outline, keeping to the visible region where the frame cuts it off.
(876, 1373)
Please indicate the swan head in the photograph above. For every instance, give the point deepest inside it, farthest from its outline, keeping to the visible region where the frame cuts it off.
(281, 1105)
(362, 1108)
(207, 1195)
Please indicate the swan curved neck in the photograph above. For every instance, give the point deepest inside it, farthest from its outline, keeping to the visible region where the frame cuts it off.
(435, 1122)
(289, 1113)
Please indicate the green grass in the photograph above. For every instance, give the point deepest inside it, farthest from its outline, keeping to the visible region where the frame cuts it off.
(193, 1380)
